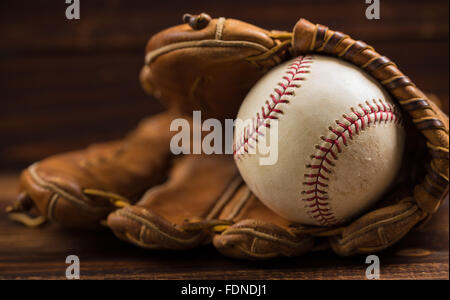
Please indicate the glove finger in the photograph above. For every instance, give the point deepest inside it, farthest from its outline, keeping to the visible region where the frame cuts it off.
(258, 232)
(144, 228)
(377, 230)
(225, 58)
(174, 215)
(55, 194)
(80, 188)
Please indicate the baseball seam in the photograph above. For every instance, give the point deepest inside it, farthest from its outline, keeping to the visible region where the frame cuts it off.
(281, 94)
(323, 161)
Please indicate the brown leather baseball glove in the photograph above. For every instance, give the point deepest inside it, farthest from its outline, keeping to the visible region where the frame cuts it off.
(201, 66)
(195, 66)
(209, 64)
(241, 227)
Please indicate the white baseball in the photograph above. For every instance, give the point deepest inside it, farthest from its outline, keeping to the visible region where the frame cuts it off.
(340, 140)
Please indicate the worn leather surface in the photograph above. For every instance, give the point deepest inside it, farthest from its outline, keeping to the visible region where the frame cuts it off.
(209, 69)
(170, 215)
(257, 232)
(205, 64)
(202, 199)
(56, 187)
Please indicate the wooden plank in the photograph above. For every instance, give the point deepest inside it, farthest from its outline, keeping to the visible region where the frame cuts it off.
(39, 253)
(106, 24)
(56, 103)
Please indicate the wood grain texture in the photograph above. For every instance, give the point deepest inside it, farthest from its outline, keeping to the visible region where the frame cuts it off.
(39, 253)
(66, 84)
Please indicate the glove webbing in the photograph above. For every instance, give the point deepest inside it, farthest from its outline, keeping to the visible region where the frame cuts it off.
(432, 123)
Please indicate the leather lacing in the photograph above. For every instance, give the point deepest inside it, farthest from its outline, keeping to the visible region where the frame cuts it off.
(20, 211)
(220, 225)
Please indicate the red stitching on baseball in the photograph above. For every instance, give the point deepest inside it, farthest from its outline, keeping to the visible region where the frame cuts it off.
(318, 204)
(241, 144)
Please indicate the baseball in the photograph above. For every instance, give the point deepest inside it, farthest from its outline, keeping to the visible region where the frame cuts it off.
(339, 145)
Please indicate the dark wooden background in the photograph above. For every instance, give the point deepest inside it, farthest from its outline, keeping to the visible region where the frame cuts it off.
(65, 84)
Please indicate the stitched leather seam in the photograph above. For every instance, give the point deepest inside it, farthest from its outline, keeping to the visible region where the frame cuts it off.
(443, 178)
(259, 255)
(254, 245)
(263, 236)
(142, 231)
(382, 236)
(408, 212)
(242, 202)
(281, 94)
(145, 222)
(315, 194)
(140, 243)
(62, 193)
(439, 149)
(51, 206)
(225, 197)
(152, 55)
(219, 28)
